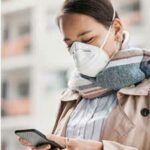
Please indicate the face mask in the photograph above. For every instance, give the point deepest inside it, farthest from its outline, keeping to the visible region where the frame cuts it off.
(89, 60)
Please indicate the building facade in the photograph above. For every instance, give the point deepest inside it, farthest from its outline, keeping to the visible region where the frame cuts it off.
(35, 61)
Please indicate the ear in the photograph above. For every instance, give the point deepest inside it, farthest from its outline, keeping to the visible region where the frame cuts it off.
(118, 30)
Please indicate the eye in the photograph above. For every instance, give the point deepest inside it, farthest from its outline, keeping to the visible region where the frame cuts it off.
(88, 40)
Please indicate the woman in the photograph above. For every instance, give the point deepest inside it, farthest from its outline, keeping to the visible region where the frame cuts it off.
(107, 103)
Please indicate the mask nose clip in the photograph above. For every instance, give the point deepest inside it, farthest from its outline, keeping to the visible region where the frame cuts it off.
(73, 48)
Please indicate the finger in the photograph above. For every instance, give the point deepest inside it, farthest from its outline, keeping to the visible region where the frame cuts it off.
(57, 139)
(25, 142)
(43, 147)
(71, 142)
(68, 143)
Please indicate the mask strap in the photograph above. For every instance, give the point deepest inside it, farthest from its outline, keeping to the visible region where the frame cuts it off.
(114, 8)
(106, 37)
(114, 14)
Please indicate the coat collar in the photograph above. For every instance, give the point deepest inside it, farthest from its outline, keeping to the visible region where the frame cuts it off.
(69, 95)
(141, 89)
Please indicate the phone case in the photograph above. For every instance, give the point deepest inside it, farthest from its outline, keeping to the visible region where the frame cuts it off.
(36, 138)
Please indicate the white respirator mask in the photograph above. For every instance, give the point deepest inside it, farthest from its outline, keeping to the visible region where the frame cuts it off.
(89, 59)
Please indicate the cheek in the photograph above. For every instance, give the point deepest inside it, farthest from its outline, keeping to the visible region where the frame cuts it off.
(110, 46)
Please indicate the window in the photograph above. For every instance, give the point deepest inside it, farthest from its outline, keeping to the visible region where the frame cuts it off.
(5, 34)
(27, 48)
(4, 89)
(23, 89)
(129, 6)
(24, 29)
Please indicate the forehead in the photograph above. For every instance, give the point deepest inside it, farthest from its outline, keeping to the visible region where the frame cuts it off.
(76, 23)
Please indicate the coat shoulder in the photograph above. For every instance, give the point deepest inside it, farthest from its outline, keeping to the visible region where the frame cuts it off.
(69, 95)
(142, 89)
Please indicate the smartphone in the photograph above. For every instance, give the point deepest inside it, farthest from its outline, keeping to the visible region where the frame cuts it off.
(36, 138)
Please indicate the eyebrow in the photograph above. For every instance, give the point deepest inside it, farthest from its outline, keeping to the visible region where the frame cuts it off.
(80, 34)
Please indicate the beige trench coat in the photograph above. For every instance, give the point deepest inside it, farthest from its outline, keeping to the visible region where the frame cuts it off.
(128, 125)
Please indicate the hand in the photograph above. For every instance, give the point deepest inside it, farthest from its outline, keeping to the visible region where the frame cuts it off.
(80, 144)
(76, 144)
(28, 144)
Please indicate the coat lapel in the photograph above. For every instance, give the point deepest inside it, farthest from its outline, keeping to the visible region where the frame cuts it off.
(70, 99)
(69, 95)
(118, 124)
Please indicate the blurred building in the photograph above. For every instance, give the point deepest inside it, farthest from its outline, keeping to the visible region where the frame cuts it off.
(34, 67)
(35, 61)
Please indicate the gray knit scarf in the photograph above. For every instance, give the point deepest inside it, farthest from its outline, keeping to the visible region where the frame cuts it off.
(128, 67)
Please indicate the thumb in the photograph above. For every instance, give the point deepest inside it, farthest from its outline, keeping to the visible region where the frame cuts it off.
(68, 143)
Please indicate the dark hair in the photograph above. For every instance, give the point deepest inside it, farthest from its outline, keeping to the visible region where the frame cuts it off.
(101, 10)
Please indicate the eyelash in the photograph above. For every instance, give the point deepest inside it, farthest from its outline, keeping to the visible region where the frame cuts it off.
(86, 41)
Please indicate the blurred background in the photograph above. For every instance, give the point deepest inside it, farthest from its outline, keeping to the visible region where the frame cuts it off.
(36, 65)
